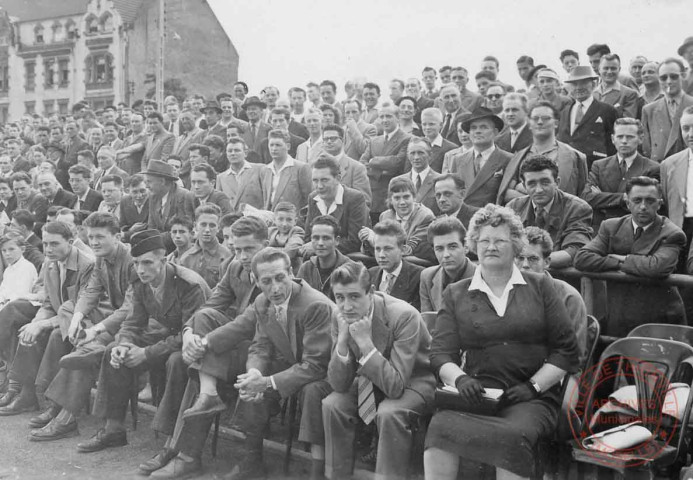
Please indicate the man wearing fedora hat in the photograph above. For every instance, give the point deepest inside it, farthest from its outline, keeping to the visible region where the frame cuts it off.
(164, 297)
(482, 167)
(588, 124)
(257, 128)
(213, 114)
(167, 200)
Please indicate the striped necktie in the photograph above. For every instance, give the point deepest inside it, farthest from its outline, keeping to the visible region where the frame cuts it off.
(366, 399)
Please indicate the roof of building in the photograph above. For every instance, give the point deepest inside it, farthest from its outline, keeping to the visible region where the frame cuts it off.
(28, 10)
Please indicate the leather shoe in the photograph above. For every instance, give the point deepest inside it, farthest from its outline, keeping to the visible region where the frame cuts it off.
(205, 405)
(20, 404)
(178, 468)
(82, 359)
(7, 397)
(246, 470)
(54, 431)
(102, 440)
(44, 418)
(157, 461)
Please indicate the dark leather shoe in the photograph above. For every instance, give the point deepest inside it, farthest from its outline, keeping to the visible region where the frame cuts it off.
(157, 461)
(20, 404)
(83, 359)
(178, 468)
(54, 431)
(246, 470)
(45, 418)
(7, 398)
(205, 405)
(102, 440)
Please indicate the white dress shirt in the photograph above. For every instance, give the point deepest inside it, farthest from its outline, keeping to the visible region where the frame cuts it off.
(384, 279)
(499, 303)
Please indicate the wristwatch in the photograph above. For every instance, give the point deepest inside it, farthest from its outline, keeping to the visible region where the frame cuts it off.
(268, 386)
(535, 385)
(204, 342)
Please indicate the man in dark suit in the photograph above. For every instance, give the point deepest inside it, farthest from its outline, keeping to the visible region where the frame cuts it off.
(134, 208)
(588, 124)
(516, 135)
(106, 158)
(346, 205)
(449, 191)
(431, 124)
(643, 244)
(88, 199)
(422, 174)
(482, 167)
(662, 119)
(29, 199)
(73, 144)
(167, 200)
(289, 354)
(385, 158)
(279, 120)
(52, 191)
(257, 129)
(606, 185)
(454, 111)
(295, 128)
(567, 218)
(394, 275)
(381, 348)
(169, 294)
(232, 296)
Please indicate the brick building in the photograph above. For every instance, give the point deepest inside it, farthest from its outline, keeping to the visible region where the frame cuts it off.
(56, 52)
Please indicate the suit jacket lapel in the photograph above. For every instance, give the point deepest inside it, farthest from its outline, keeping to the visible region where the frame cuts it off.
(426, 186)
(590, 114)
(276, 333)
(486, 171)
(54, 286)
(681, 177)
(380, 331)
(284, 176)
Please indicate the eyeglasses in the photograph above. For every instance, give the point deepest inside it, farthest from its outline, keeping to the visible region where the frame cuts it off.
(494, 96)
(331, 139)
(543, 119)
(670, 76)
(496, 242)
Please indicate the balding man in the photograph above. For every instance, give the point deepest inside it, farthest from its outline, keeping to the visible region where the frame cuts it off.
(106, 159)
(431, 124)
(452, 105)
(50, 188)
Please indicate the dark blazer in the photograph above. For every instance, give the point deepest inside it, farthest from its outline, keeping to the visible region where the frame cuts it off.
(72, 147)
(351, 215)
(606, 175)
(593, 135)
(304, 352)
(568, 222)
(218, 129)
(310, 272)
(438, 153)
(422, 103)
(63, 198)
(298, 129)
(384, 161)
(524, 140)
(254, 142)
(217, 198)
(482, 188)
(401, 337)
(184, 293)
(264, 148)
(451, 133)
(232, 295)
(38, 206)
(654, 254)
(426, 195)
(179, 203)
(406, 285)
(662, 137)
(98, 176)
(129, 214)
(92, 202)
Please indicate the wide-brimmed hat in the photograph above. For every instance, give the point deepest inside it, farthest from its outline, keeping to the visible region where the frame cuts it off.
(688, 41)
(250, 101)
(146, 241)
(581, 72)
(159, 168)
(213, 105)
(478, 114)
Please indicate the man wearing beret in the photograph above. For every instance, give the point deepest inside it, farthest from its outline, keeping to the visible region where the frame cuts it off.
(164, 296)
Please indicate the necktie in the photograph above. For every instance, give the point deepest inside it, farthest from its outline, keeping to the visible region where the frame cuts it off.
(281, 318)
(477, 164)
(624, 169)
(638, 233)
(252, 132)
(513, 138)
(672, 109)
(390, 282)
(418, 182)
(446, 125)
(541, 217)
(366, 399)
(579, 115)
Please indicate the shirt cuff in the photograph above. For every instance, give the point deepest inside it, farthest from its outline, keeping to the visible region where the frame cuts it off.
(343, 358)
(274, 385)
(366, 357)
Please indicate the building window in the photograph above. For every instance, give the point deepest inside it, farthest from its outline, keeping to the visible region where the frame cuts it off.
(71, 29)
(92, 24)
(4, 77)
(30, 72)
(64, 71)
(58, 32)
(48, 108)
(30, 108)
(62, 106)
(49, 72)
(99, 70)
(107, 22)
(38, 34)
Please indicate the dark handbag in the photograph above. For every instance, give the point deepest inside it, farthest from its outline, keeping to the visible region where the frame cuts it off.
(448, 398)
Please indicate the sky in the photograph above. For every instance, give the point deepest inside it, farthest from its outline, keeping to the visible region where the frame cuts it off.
(288, 43)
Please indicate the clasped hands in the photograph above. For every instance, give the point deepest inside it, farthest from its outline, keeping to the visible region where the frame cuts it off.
(359, 331)
(251, 385)
(29, 333)
(193, 349)
(127, 354)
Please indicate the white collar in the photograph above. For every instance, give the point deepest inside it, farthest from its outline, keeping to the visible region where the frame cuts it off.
(586, 103)
(389, 135)
(486, 153)
(284, 305)
(288, 163)
(645, 228)
(423, 174)
(478, 282)
(629, 160)
(438, 142)
(395, 272)
(338, 200)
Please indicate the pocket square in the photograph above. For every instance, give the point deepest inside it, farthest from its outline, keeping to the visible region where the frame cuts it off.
(599, 120)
